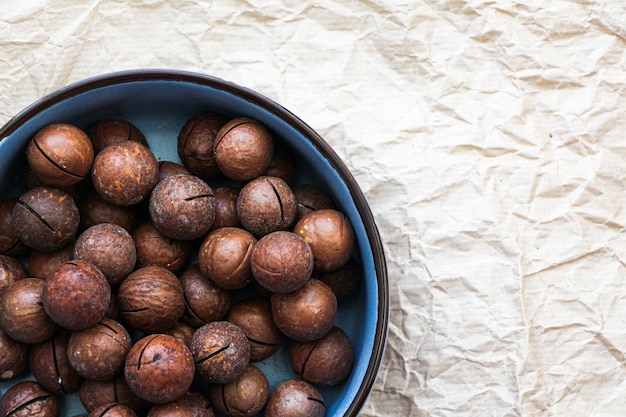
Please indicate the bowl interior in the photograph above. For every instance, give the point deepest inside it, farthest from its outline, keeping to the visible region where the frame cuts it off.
(159, 103)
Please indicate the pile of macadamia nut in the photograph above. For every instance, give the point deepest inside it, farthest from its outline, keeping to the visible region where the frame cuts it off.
(152, 287)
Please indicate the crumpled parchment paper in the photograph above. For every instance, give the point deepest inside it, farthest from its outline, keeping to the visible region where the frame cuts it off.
(488, 138)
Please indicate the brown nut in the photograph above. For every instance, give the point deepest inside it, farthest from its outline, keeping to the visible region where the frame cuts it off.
(307, 313)
(243, 397)
(221, 351)
(282, 262)
(243, 149)
(311, 198)
(111, 131)
(45, 218)
(29, 399)
(151, 299)
(345, 281)
(112, 410)
(225, 208)
(266, 204)
(195, 144)
(182, 331)
(51, 367)
(169, 168)
(75, 191)
(76, 295)
(173, 409)
(99, 352)
(125, 173)
(110, 248)
(282, 166)
(182, 207)
(93, 394)
(94, 210)
(323, 362)
(254, 317)
(42, 264)
(11, 270)
(23, 316)
(10, 243)
(224, 257)
(156, 249)
(197, 403)
(205, 301)
(113, 310)
(14, 358)
(159, 368)
(60, 155)
(295, 398)
(330, 235)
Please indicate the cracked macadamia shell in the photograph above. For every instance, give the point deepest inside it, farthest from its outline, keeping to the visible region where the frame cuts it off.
(76, 295)
(205, 301)
(243, 397)
(265, 205)
(307, 313)
(225, 208)
(29, 399)
(60, 155)
(311, 198)
(281, 262)
(125, 173)
(112, 410)
(159, 368)
(51, 367)
(169, 168)
(221, 351)
(198, 403)
(282, 166)
(99, 352)
(243, 149)
(95, 210)
(110, 248)
(195, 144)
(151, 299)
(330, 235)
(182, 331)
(111, 131)
(323, 362)
(155, 249)
(93, 394)
(42, 264)
(225, 255)
(23, 316)
(182, 207)
(46, 218)
(10, 243)
(11, 270)
(295, 398)
(344, 281)
(14, 358)
(254, 317)
(173, 409)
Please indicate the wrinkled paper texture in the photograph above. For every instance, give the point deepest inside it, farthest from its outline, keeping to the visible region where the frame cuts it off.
(488, 138)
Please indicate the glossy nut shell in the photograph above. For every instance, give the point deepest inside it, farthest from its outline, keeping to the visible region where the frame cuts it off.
(159, 368)
(60, 155)
(151, 299)
(76, 295)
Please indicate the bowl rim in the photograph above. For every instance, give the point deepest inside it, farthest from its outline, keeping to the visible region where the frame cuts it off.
(172, 75)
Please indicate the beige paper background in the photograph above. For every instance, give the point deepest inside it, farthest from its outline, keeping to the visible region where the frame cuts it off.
(489, 141)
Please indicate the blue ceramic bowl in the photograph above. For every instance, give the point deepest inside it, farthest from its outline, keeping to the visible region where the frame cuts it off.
(159, 102)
